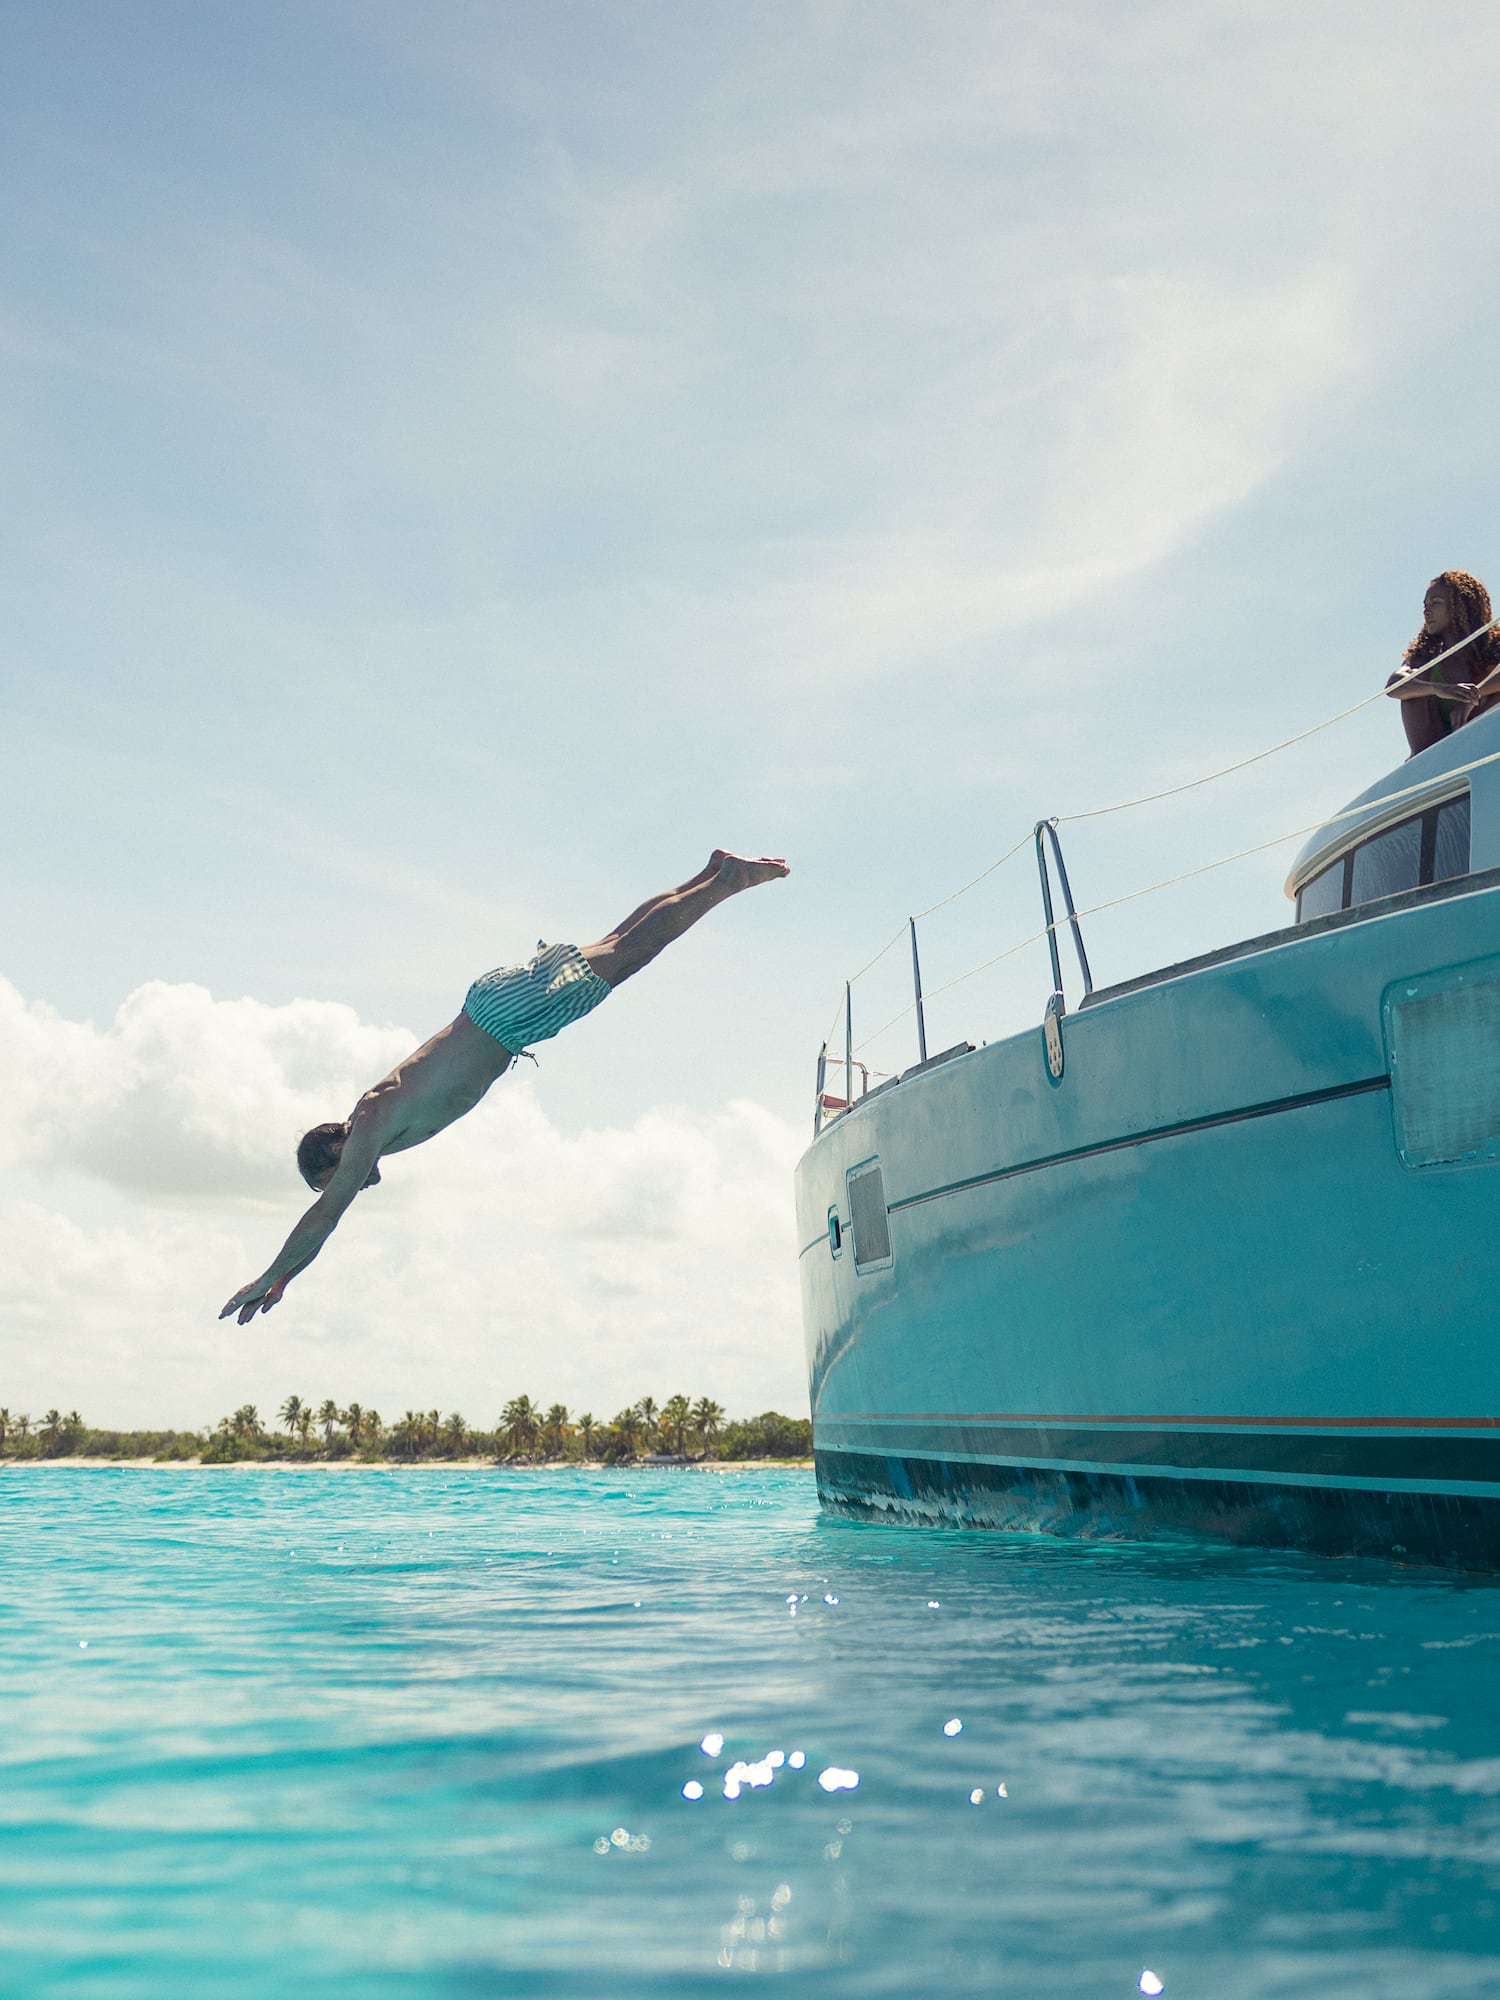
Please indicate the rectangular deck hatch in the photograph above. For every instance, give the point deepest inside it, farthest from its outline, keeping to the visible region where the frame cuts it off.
(868, 1219)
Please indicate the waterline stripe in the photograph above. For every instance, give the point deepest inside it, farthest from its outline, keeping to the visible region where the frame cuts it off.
(1196, 1453)
(1138, 1421)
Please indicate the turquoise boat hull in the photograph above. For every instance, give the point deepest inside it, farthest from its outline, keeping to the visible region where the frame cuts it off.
(1234, 1274)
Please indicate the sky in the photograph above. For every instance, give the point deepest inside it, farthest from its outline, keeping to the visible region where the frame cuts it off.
(462, 464)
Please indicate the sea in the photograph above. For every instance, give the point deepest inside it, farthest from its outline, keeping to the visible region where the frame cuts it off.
(662, 1732)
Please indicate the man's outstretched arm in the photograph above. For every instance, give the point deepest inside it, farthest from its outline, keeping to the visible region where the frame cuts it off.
(361, 1150)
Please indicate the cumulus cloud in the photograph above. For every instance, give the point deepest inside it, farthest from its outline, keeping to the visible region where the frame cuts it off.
(183, 1095)
(148, 1172)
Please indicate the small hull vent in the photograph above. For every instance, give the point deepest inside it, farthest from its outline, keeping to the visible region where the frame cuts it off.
(868, 1218)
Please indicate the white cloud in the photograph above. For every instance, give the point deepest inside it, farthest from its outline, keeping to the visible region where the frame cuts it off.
(183, 1096)
(148, 1173)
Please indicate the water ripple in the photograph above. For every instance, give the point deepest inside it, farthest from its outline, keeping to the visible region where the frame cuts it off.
(492, 1732)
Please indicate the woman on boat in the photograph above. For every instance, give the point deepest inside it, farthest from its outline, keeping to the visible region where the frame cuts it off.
(1456, 606)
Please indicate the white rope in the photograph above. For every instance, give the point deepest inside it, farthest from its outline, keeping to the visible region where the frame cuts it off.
(911, 1005)
(1009, 855)
(941, 904)
(871, 963)
(1380, 694)
(1187, 875)
(1154, 798)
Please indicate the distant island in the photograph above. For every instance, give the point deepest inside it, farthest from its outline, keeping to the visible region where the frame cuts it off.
(676, 1432)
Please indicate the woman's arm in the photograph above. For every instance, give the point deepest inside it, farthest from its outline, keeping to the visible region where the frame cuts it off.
(1406, 686)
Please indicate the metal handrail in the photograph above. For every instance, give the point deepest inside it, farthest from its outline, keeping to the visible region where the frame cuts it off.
(1043, 827)
(842, 1104)
(1049, 827)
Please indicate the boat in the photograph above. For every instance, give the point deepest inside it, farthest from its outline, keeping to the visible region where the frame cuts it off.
(1214, 1253)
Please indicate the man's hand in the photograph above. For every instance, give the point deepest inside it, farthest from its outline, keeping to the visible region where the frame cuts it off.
(258, 1296)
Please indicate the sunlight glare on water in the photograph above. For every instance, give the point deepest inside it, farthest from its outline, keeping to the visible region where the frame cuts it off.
(465, 1733)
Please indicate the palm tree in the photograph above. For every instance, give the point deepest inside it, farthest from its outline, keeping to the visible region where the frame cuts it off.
(74, 1425)
(372, 1427)
(585, 1432)
(646, 1410)
(676, 1415)
(518, 1426)
(456, 1434)
(23, 1426)
(434, 1427)
(291, 1412)
(328, 1417)
(555, 1430)
(708, 1419)
(353, 1420)
(5, 1426)
(52, 1425)
(406, 1438)
(304, 1423)
(246, 1422)
(624, 1427)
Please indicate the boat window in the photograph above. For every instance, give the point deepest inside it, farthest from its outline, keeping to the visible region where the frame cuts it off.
(1323, 893)
(1432, 846)
(1451, 848)
(1390, 862)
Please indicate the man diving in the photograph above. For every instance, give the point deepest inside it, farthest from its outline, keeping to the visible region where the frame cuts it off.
(503, 1013)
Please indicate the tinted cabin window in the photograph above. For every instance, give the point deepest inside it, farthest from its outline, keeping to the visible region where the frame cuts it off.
(1323, 893)
(1451, 845)
(1390, 862)
(1430, 847)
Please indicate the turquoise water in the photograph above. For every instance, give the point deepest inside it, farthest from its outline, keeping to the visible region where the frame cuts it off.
(427, 1732)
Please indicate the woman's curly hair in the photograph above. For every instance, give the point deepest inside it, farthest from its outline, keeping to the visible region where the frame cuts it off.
(1471, 611)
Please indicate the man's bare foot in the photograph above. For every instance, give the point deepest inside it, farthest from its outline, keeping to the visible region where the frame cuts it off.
(709, 869)
(738, 872)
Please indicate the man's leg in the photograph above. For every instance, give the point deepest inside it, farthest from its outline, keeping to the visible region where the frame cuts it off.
(709, 869)
(654, 924)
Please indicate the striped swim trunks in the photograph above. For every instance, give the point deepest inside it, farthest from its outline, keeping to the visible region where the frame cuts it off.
(521, 1004)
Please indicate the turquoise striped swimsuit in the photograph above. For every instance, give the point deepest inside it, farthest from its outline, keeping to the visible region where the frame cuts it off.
(521, 1004)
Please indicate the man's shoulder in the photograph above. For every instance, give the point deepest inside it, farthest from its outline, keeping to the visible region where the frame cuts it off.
(372, 1107)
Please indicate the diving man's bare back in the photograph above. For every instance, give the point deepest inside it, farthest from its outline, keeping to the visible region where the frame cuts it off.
(449, 1074)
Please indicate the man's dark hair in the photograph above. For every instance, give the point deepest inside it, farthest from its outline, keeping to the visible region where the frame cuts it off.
(319, 1149)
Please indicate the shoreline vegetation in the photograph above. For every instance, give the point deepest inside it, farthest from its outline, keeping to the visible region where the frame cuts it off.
(678, 1432)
